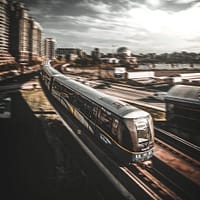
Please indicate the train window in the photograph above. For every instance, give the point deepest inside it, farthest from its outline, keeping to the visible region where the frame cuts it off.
(95, 111)
(87, 108)
(139, 130)
(115, 125)
(105, 120)
(143, 131)
(76, 101)
(72, 97)
(79, 102)
(56, 86)
(126, 135)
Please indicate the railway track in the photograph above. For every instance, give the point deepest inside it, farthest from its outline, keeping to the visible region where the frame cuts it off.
(149, 183)
(176, 181)
(183, 148)
(158, 181)
(161, 181)
(179, 155)
(173, 176)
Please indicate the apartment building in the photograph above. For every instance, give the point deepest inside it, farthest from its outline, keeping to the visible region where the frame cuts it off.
(49, 48)
(20, 34)
(69, 53)
(5, 57)
(35, 41)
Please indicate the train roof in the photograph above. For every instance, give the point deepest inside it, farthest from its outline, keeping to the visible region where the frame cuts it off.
(184, 93)
(111, 103)
(50, 70)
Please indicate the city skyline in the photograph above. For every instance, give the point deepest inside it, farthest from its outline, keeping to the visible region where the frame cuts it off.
(144, 26)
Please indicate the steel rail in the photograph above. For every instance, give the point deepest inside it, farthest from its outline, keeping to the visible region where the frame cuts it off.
(149, 183)
(188, 150)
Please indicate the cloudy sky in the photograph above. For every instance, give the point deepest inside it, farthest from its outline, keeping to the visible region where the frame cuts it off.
(144, 26)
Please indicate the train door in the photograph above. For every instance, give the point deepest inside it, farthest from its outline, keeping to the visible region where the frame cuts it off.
(93, 117)
(116, 130)
(105, 120)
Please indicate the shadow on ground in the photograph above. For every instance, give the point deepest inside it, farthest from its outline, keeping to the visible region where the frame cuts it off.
(30, 168)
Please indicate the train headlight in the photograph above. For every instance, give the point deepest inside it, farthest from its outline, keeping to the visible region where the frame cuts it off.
(138, 156)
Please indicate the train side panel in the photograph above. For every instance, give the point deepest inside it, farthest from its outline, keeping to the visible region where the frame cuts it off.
(104, 124)
(183, 111)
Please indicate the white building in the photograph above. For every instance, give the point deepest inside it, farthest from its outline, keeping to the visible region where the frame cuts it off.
(110, 60)
(49, 48)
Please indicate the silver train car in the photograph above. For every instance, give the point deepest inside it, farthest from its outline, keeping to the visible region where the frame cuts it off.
(125, 130)
(47, 74)
(183, 111)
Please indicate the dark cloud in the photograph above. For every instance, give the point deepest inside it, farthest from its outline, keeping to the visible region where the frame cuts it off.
(175, 6)
(57, 7)
(71, 7)
(77, 8)
(102, 23)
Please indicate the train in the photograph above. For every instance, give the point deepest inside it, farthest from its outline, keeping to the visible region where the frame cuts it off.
(126, 131)
(183, 111)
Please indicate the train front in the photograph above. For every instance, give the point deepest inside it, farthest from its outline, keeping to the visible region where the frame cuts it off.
(139, 125)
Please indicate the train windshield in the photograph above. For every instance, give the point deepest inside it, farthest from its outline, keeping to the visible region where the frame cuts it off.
(143, 130)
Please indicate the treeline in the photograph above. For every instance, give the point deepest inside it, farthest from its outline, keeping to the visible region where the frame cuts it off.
(176, 57)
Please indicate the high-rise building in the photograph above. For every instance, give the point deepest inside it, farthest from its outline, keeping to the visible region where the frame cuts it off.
(96, 53)
(35, 41)
(4, 25)
(20, 35)
(4, 32)
(67, 52)
(49, 48)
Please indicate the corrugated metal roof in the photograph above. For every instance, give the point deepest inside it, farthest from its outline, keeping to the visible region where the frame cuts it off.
(185, 93)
